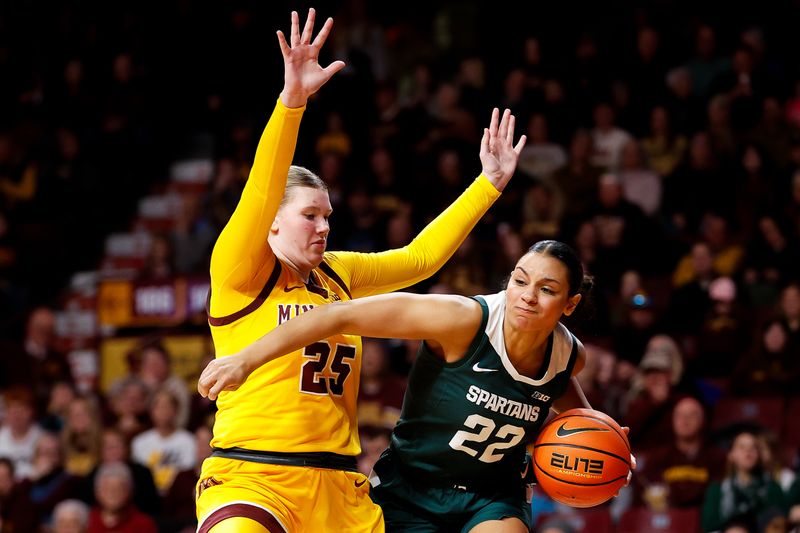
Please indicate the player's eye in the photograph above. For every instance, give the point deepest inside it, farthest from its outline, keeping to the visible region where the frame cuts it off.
(548, 290)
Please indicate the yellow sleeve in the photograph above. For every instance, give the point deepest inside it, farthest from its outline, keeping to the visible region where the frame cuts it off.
(376, 273)
(241, 250)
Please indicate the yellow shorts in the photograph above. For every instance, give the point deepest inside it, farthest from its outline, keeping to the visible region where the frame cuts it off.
(285, 498)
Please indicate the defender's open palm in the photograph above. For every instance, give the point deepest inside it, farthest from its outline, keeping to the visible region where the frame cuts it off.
(303, 75)
(225, 373)
(498, 154)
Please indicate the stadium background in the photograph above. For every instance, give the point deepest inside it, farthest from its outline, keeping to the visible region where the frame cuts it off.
(127, 130)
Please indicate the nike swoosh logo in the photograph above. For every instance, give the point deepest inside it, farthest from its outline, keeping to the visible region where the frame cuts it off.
(360, 484)
(289, 289)
(476, 368)
(564, 432)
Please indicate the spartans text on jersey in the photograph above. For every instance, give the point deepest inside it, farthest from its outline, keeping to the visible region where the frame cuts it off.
(499, 404)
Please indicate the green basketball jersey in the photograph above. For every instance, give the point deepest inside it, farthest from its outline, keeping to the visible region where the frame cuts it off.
(467, 423)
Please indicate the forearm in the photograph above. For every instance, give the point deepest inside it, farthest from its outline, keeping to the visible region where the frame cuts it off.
(429, 251)
(573, 398)
(309, 327)
(243, 242)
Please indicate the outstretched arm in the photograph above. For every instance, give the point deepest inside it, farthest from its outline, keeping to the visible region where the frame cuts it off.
(242, 247)
(430, 250)
(449, 321)
(573, 397)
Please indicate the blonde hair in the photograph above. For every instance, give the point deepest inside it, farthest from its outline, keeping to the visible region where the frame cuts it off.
(301, 177)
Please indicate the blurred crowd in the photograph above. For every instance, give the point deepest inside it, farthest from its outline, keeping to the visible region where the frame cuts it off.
(663, 145)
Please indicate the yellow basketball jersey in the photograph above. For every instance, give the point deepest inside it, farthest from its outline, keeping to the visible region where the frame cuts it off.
(304, 401)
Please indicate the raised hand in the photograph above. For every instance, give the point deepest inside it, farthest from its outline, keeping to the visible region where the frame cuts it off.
(303, 75)
(225, 373)
(498, 154)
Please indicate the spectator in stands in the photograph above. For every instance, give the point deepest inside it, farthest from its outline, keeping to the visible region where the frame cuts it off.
(116, 450)
(726, 254)
(192, 235)
(685, 466)
(607, 139)
(47, 485)
(638, 325)
(771, 260)
(789, 315)
(8, 493)
(541, 158)
(19, 432)
(115, 511)
(745, 491)
(380, 396)
(597, 381)
(640, 185)
(689, 302)
(772, 454)
(82, 436)
(723, 336)
(621, 231)
(178, 502)
(649, 414)
(580, 178)
(35, 361)
(155, 371)
(71, 516)
(770, 367)
(757, 189)
(166, 448)
(159, 262)
(61, 395)
(128, 400)
(374, 441)
(663, 147)
(695, 186)
(772, 520)
(542, 211)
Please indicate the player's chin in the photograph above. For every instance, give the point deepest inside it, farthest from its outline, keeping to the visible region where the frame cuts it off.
(315, 257)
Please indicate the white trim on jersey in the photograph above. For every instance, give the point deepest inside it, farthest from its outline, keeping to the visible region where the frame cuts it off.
(562, 342)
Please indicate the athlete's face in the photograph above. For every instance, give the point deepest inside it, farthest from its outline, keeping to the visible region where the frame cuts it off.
(300, 230)
(537, 294)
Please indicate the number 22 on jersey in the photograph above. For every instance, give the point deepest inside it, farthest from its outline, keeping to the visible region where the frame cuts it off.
(511, 436)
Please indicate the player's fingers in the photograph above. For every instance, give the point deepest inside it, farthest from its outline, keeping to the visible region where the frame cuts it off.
(214, 391)
(633, 462)
(520, 144)
(295, 35)
(323, 33)
(626, 429)
(333, 68)
(512, 122)
(283, 44)
(493, 123)
(484, 142)
(502, 132)
(309, 27)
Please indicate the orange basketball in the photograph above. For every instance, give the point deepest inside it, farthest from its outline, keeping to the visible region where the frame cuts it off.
(581, 458)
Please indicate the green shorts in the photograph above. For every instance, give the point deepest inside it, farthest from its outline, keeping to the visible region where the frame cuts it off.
(419, 507)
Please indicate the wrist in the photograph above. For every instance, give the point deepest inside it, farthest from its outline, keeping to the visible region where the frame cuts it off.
(293, 99)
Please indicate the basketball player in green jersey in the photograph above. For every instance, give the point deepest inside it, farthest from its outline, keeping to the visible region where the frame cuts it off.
(488, 372)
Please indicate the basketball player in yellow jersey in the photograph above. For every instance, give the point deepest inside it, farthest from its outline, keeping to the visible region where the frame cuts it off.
(285, 442)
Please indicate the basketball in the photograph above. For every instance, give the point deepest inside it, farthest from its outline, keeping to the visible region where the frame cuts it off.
(581, 458)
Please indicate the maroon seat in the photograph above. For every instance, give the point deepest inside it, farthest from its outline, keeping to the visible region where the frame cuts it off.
(639, 519)
(766, 412)
(594, 520)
